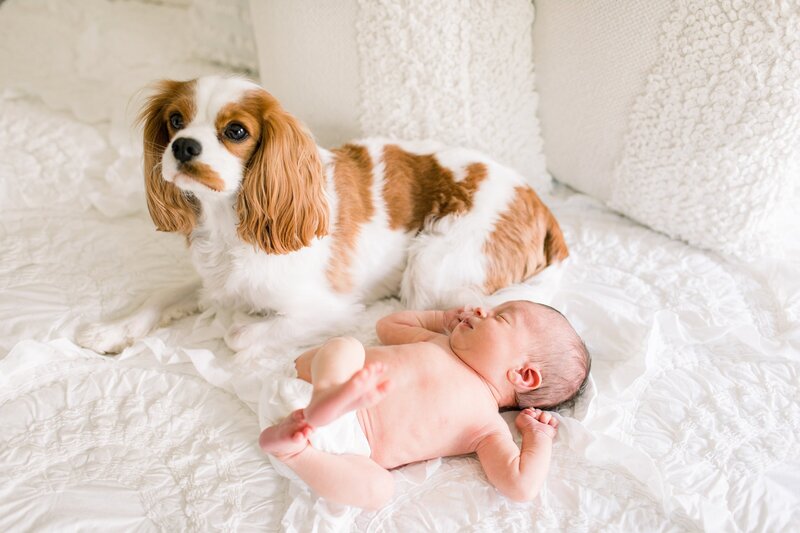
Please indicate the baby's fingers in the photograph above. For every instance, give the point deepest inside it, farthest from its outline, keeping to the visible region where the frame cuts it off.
(525, 418)
(465, 312)
(532, 419)
(548, 418)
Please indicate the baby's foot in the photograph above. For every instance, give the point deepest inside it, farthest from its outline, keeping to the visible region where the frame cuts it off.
(364, 389)
(286, 438)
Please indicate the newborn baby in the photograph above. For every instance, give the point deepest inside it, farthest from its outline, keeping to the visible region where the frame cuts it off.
(434, 389)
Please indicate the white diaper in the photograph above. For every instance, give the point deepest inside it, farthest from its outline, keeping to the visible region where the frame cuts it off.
(285, 393)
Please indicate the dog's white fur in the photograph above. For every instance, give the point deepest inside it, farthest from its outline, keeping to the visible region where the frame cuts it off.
(290, 296)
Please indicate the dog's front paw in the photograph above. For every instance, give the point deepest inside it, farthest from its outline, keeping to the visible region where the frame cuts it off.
(105, 337)
(240, 337)
(178, 311)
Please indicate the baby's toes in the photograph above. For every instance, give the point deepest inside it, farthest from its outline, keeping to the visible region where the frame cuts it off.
(375, 394)
(384, 386)
(375, 369)
(360, 377)
(370, 399)
(364, 373)
(372, 372)
(302, 434)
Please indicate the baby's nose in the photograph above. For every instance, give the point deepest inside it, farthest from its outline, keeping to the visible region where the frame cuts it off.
(480, 312)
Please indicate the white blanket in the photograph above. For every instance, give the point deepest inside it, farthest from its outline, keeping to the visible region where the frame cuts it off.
(693, 422)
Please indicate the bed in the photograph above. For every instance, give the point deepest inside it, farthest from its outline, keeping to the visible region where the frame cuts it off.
(692, 421)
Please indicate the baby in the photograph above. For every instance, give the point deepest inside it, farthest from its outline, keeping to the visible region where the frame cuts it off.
(434, 389)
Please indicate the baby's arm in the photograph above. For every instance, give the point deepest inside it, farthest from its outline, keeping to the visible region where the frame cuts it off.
(405, 327)
(519, 474)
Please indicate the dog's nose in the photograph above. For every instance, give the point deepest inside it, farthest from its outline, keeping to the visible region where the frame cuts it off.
(185, 149)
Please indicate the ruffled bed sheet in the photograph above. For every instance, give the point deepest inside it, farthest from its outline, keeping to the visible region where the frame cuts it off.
(692, 421)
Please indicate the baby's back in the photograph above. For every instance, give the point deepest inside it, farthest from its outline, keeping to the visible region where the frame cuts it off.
(437, 406)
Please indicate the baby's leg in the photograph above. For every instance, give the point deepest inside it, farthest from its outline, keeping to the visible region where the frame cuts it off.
(287, 437)
(341, 382)
(335, 362)
(345, 479)
(290, 436)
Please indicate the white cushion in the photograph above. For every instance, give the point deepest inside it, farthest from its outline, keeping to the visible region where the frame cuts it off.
(684, 116)
(308, 60)
(407, 69)
(221, 32)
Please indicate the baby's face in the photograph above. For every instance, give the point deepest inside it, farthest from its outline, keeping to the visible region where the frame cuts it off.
(494, 338)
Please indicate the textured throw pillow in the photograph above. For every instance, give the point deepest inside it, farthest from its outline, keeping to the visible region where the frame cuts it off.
(682, 115)
(460, 73)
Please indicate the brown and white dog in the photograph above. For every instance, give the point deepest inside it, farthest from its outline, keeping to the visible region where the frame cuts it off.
(278, 226)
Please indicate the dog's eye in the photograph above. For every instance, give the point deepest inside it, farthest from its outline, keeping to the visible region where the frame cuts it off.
(176, 121)
(235, 132)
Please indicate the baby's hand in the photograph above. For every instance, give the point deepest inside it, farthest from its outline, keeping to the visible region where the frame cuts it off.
(452, 317)
(535, 420)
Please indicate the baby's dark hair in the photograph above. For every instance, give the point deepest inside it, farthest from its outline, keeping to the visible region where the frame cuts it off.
(564, 363)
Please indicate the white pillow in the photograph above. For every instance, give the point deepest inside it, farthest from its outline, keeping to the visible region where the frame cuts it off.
(221, 32)
(684, 116)
(460, 73)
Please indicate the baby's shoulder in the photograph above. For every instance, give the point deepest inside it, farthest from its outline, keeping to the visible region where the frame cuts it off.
(487, 425)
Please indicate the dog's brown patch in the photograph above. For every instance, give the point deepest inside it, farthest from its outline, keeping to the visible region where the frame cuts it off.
(352, 179)
(202, 173)
(182, 101)
(247, 113)
(281, 205)
(170, 208)
(525, 239)
(417, 187)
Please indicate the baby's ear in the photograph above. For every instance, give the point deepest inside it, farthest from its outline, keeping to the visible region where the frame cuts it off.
(525, 378)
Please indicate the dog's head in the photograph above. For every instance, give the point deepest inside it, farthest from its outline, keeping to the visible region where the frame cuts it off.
(217, 137)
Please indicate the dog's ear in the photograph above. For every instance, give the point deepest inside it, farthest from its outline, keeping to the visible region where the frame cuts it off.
(170, 208)
(282, 204)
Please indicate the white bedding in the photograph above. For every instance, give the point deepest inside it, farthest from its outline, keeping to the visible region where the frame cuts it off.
(693, 422)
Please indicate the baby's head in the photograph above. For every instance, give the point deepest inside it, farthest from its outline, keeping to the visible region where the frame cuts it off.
(563, 363)
(531, 346)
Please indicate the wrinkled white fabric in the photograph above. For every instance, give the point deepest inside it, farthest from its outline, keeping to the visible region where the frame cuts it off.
(693, 423)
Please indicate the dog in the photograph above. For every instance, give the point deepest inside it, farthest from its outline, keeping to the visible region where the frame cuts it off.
(300, 237)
